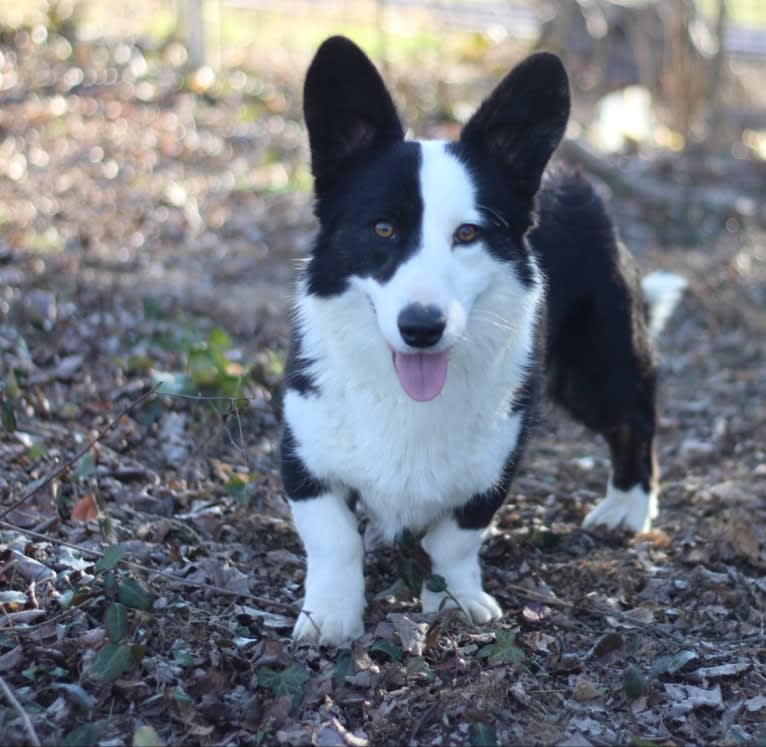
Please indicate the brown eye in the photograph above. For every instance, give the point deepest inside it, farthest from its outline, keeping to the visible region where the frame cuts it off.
(466, 233)
(384, 229)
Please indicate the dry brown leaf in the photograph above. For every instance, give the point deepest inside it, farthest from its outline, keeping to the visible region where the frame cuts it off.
(86, 509)
(584, 690)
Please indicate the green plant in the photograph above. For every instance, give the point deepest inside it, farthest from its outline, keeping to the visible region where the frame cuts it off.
(124, 597)
(10, 396)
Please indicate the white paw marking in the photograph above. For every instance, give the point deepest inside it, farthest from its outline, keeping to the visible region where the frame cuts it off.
(632, 509)
(334, 622)
(477, 604)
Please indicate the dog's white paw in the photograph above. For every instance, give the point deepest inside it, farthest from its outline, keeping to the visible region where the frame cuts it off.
(631, 509)
(480, 606)
(333, 605)
(335, 627)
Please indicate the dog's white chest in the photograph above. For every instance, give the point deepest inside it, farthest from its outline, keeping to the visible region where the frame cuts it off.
(409, 467)
(410, 461)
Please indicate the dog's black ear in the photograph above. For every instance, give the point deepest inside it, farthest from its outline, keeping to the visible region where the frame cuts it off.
(347, 108)
(523, 120)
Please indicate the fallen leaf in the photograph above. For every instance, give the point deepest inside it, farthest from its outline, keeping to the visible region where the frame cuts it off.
(146, 736)
(688, 697)
(674, 663)
(85, 509)
(503, 650)
(412, 633)
(10, 659)
(722, 670)
(584, 690)
(608, 643)
(758, 703)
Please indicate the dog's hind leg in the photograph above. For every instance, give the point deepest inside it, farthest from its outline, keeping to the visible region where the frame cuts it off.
(631, 496)
(602, 371)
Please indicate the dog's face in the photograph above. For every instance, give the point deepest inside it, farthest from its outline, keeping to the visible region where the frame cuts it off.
(420, 230)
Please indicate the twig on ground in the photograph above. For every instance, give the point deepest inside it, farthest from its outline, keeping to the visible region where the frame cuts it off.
(537, 596)
(11, 698)
(80, 452)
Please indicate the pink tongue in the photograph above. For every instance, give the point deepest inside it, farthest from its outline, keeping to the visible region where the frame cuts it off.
(422, 375)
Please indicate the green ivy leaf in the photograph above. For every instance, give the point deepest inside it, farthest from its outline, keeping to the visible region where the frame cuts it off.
(545, 539)
(633, 682)
(85, 466)
(112, 555)
(180, 695)
(132, 594)
(504, 650)
(112, 661)
(36, 451)
(202, 368)
(116, 621)
(483, 735)
(386, 647)
(82, 736)
(182, 657)
(436, 583)
(289, 681)
(343, 666)
(417, 667)
(218, 339)
(411, 575)
(7, 414)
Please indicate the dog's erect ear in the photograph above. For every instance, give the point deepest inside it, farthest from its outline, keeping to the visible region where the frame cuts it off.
(523, 120)
(348, 110)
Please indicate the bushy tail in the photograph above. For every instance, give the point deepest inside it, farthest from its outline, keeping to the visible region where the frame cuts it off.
(663, 292)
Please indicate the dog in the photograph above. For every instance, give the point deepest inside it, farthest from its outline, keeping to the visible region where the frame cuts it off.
(449, 286)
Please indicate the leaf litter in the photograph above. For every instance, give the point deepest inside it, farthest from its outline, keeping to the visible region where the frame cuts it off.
(150, 579)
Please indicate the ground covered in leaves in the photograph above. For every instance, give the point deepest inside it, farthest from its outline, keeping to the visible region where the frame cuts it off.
(149, 574)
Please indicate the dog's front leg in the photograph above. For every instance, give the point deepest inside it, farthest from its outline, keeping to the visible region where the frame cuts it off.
(334, 590)
(454, 554)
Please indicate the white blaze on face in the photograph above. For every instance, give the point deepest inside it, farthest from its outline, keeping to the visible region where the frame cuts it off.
(438, 274)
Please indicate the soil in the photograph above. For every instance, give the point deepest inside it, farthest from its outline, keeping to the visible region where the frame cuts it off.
(149, 230)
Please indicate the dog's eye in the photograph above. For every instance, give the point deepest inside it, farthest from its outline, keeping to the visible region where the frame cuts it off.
(384, 229)
(466, 233)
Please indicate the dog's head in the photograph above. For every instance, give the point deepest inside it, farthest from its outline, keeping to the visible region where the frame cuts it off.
(424, 229)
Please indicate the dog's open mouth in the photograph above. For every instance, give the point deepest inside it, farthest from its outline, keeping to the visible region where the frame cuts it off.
(422, 375)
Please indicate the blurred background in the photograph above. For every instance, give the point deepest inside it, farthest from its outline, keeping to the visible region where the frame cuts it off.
(674, 87)
(153, 152)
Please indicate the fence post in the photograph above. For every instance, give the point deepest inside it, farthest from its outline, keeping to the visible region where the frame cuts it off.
(190, 22)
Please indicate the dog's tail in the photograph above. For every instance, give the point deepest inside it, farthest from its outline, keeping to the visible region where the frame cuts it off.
(663, 292)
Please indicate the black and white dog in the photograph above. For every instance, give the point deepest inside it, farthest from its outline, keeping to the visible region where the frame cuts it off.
(446, 279)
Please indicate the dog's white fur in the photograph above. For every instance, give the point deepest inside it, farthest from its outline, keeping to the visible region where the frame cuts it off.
(633, 509)
(412, 462)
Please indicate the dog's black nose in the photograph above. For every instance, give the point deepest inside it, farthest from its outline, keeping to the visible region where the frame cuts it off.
(421, 326)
